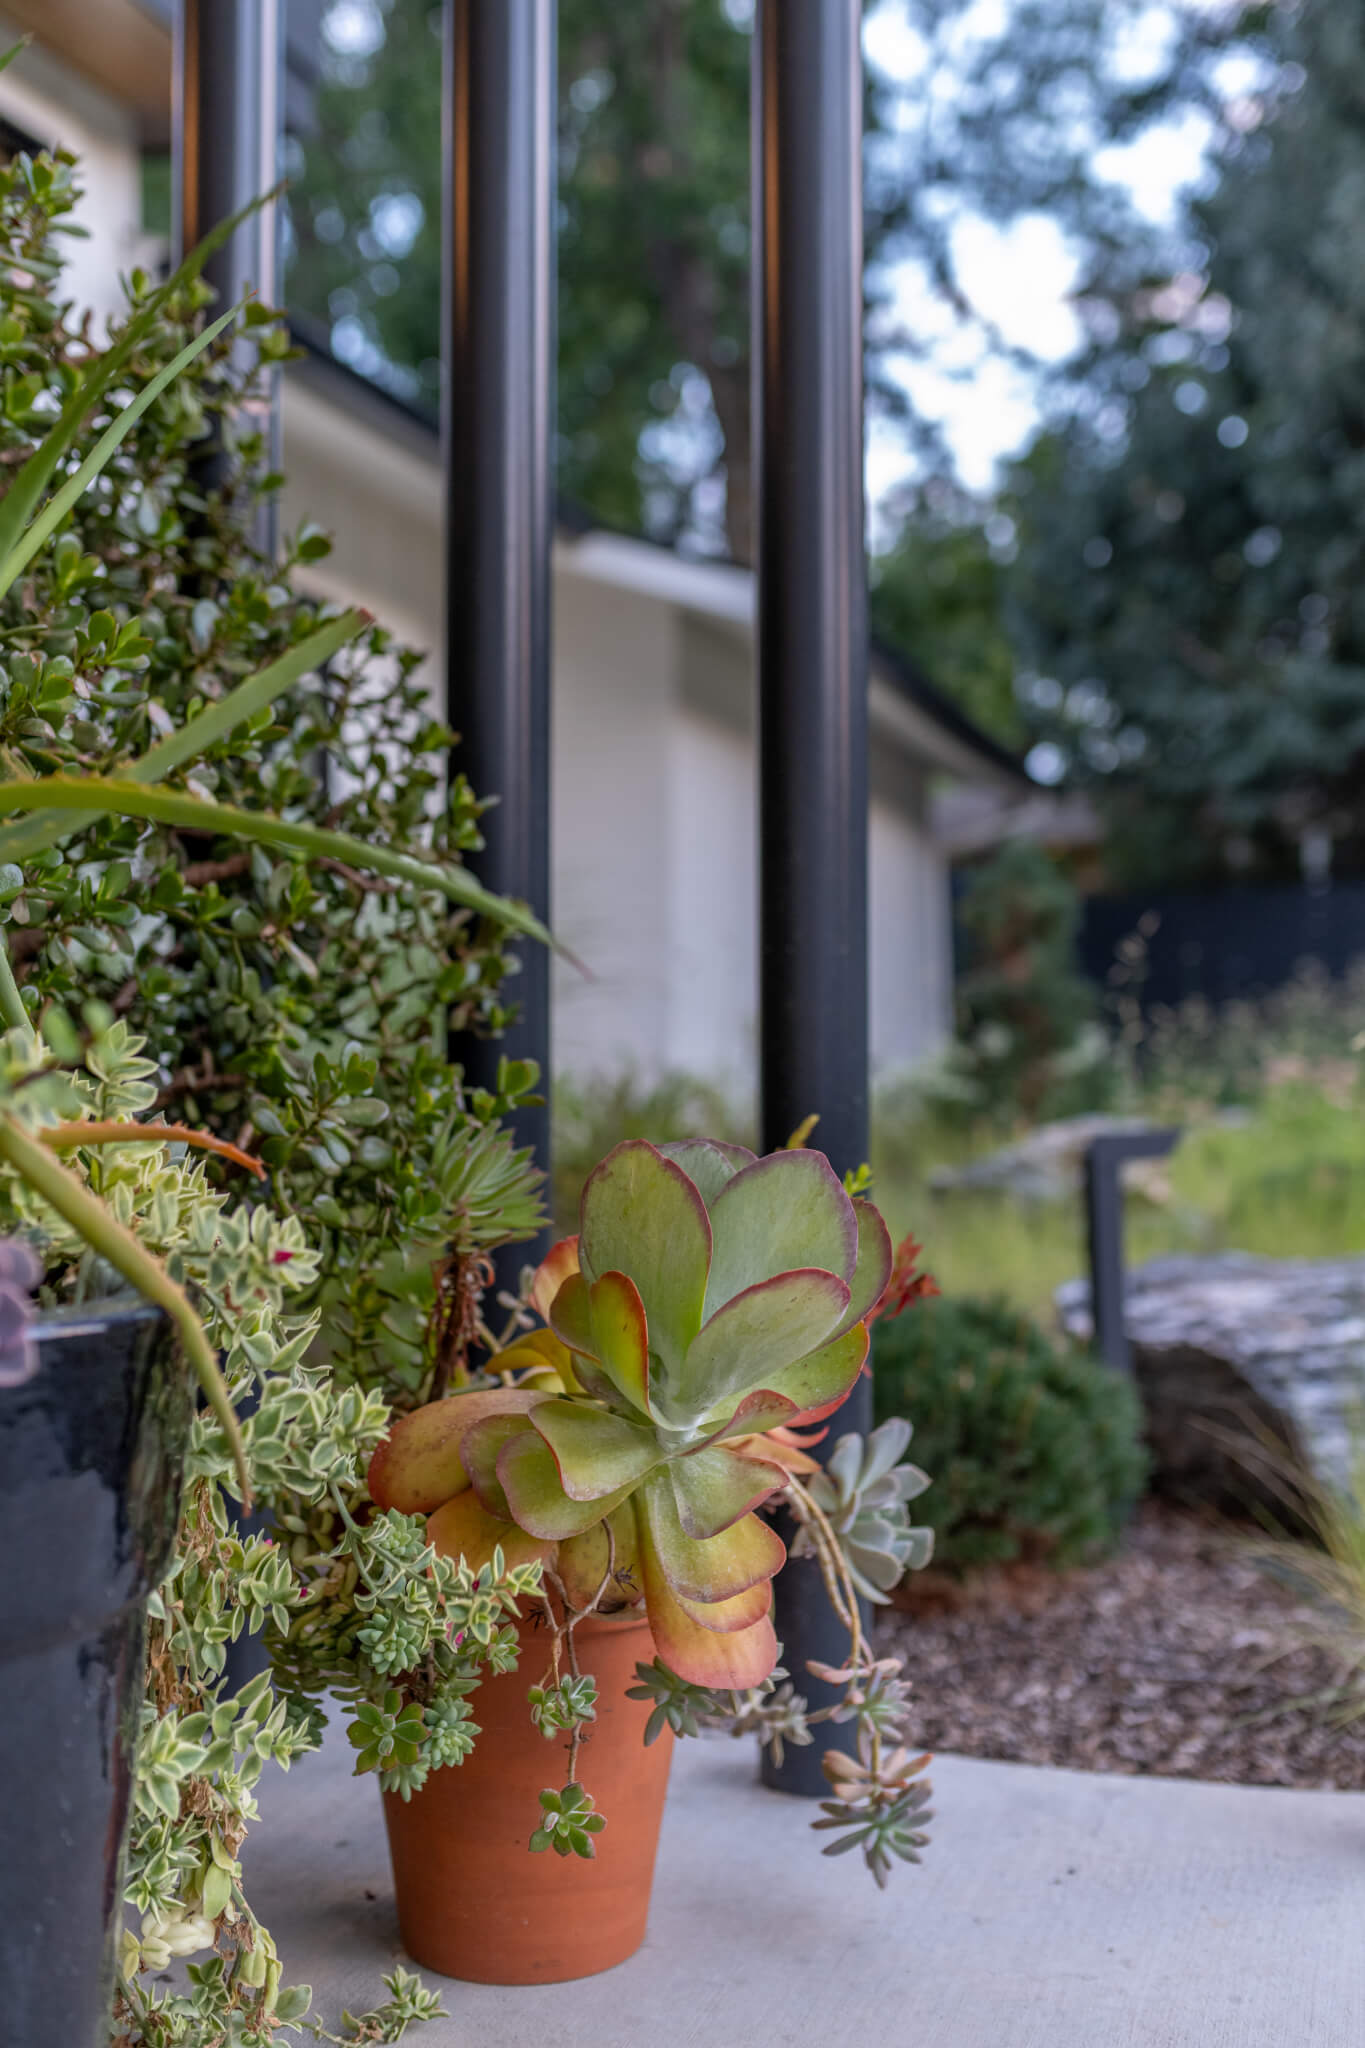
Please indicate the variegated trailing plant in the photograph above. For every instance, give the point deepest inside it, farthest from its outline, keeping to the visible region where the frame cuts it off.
(712, 1304)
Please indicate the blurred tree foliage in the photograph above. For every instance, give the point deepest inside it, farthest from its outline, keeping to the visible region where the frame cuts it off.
(1028, 1038)
(1190, 588)
(654, 243)
(938, 593)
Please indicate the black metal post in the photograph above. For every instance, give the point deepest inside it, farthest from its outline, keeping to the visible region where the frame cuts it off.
(1104, 1233)
(499, 360)
(812, 652)
(228, 86)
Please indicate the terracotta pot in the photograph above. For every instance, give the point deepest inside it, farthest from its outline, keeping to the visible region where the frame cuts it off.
(473, 1901)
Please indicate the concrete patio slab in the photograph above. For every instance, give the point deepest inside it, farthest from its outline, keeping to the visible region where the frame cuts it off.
(1054, 1910)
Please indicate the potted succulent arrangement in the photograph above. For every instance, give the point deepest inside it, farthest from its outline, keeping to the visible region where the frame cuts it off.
(613, 1462)
(98, 1192)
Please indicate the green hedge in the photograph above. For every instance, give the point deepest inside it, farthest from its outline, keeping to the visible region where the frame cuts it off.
(1034, 1447)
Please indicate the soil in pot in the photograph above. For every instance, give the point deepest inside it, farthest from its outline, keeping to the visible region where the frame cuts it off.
(90, 1458)
(473, 1900)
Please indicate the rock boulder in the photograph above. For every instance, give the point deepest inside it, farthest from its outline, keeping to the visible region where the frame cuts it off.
(1228, 1349)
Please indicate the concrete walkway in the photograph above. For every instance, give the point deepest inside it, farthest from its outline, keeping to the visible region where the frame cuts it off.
(1054, 1910)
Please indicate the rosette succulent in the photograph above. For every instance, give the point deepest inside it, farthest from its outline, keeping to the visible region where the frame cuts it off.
(710, 1299)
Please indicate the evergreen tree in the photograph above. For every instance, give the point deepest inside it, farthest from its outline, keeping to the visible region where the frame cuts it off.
(1190, 589)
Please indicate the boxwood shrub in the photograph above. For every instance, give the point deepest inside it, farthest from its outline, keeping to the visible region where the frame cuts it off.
(1034, 1446)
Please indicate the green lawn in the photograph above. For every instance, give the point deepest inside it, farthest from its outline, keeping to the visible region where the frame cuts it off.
(1289, 1182)
(1287, 1179)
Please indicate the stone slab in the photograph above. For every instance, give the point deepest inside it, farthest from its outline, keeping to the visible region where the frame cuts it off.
(1233, 1352)
(1054, 1910)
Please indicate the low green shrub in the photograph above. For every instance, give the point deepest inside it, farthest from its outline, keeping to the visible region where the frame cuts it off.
(1035, 1447)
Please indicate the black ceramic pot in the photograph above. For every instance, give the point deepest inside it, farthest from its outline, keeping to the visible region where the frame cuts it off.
(90, 1461)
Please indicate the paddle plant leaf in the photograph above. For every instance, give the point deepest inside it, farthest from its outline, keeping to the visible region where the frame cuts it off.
(620, 1333)
(708, 1164)
(463, 1527)
(768, 1326)
(741, 1611)
(642, 1216)
(872, 1272)
(817, 1385)
(596, 1453)
(714, 1487)
(479, 1448)
(785, 1211)
(554, 1269)
(530, 1479)
(584, 1560)
(748, 1552)
(728, 1660)
(418, 1465)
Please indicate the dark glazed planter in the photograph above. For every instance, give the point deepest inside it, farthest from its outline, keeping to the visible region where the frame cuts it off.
(91, 1451)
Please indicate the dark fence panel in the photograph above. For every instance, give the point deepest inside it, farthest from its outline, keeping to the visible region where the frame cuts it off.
(1237, 942)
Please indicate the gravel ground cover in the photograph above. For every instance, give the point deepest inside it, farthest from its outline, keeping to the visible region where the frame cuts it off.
(1176, 1657)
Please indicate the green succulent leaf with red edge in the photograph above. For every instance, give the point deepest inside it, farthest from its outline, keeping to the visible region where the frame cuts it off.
(709, 1298)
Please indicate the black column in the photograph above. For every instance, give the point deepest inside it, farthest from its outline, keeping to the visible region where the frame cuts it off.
(812, 654)
(228, 86)
(499, 371)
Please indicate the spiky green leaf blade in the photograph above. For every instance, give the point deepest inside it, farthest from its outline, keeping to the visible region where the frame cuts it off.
(26, 489)
(101, 795)
(642, 1216)
(713, 1488)
(596, 1453)
(785, 1211)
(34, 535)
(757, 1333)
(208, 726)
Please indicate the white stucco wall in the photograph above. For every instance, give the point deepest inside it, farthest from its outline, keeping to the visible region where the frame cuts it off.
(713, 1010)
(909, 917)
